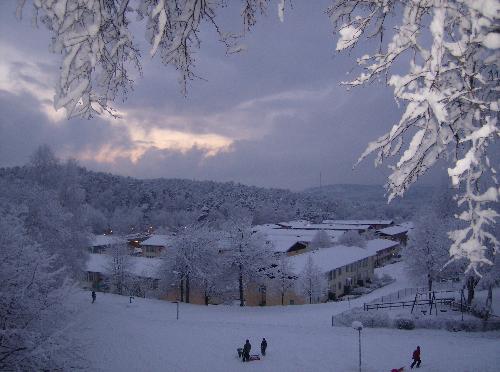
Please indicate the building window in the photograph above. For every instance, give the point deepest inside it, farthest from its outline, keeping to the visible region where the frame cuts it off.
(92, 276)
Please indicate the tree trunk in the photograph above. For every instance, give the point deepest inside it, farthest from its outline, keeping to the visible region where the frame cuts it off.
(489, 301)
(207, 299)
(187, 288)
(310, 291)
(471, 283)
(282, 298)
(181, 287)
(240, 283)
(429, 285)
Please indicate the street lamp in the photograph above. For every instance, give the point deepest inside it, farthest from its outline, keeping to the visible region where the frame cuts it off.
(358, 326)
(177, 303)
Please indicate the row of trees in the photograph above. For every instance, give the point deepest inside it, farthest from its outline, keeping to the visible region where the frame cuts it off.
(220, 260)
(224, 262)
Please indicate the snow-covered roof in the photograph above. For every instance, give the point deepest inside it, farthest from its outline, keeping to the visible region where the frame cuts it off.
(359, 222)
(137, 236)
(306, 225)
(267, 226)
(394, 230)
(377, 245)
(336, 226)
(138, 266)
(330, 258)
(294, 224)
(282, 239)
(408, 224)
(159, 240)
(101, 240)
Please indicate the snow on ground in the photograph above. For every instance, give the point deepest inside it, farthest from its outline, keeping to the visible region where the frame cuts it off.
(397, 271)
(145, 336)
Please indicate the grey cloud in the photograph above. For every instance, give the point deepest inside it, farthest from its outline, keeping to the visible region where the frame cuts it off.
(23, 128)
(280, 100)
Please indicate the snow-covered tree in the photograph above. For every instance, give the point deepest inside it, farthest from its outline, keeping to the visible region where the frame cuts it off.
(352, 238)
(127, 220)
(449, 92)
(284, 277)
(427, 252)
(194, 260)
(211, 275)
(95, 219)
(34, 294)
(118, 268)
(44, 167)
(321, 240)
(53, 227)
(312, 282)
(246, 253)
(54, 216)
(491, 278)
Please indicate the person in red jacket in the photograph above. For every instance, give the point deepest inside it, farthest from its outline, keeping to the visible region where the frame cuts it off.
(416, 358)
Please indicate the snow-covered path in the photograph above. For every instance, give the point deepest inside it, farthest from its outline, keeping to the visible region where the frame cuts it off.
(145, 336)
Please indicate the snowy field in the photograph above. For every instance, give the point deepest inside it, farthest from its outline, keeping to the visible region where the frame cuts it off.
(145, 336)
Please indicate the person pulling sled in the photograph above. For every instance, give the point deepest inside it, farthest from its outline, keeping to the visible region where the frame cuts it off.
(246, 351)
(416, 358)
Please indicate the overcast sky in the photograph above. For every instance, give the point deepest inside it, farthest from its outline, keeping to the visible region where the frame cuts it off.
(274, 115)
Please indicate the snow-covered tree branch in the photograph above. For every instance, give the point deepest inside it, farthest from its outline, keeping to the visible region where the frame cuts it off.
(100, 57)
(450, 95)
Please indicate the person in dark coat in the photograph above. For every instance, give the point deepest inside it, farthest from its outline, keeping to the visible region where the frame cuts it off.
(416, 358)
(93, 296)
(263, 346)
(246, 351)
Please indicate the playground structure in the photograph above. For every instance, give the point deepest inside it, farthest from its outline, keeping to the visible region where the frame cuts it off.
(429, 299)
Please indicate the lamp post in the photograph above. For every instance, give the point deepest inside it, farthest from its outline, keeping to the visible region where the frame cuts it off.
(358, 326)
(177, 303)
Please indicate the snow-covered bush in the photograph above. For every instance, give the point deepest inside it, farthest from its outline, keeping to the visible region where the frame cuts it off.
(371, 319)
(381, 281)
(320, 240)
(404, 323)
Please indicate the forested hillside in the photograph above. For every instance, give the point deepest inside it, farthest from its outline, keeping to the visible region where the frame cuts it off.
(126, 204)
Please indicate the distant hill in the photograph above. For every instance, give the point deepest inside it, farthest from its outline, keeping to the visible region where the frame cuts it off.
(122, 203)
(358, 192)
(370, 201)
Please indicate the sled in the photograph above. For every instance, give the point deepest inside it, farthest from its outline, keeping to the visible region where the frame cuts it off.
(254, 357)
